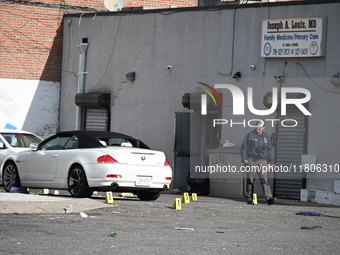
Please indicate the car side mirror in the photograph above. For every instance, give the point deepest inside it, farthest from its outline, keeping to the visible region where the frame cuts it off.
(34, 146)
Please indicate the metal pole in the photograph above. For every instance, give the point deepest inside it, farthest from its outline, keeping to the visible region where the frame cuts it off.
(81, 82)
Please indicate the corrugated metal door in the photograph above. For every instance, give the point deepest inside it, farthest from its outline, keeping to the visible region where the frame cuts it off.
(96, 119)
(291, 144)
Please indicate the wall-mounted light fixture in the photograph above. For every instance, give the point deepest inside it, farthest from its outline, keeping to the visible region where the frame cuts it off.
(131, 76)
(335, 80)
(237, 75)
(279, 78)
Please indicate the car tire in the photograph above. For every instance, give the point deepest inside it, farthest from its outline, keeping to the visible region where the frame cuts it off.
(77, 183)
(148, 196)
(10, 177)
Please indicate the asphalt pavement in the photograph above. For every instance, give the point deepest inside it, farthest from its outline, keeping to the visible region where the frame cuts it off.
(38, 224)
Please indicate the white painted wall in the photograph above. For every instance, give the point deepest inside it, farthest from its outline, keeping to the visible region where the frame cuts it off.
(30, 105)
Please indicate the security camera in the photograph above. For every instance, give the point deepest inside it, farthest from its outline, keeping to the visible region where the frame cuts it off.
(169, 67)
(253, 67)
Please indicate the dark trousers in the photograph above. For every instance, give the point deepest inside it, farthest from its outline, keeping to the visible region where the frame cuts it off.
(256, 170)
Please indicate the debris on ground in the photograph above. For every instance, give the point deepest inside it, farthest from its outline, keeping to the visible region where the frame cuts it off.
(68, 209)
(308, 214)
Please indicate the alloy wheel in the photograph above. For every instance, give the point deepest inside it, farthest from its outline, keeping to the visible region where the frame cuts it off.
(10, 177)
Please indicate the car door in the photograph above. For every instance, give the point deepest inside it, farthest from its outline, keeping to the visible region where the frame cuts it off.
(41, 165)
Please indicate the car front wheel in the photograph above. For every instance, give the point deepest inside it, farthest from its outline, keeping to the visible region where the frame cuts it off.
(10, 177)
(77, 183)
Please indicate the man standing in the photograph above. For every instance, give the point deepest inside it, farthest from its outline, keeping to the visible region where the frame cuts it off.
(257, 155)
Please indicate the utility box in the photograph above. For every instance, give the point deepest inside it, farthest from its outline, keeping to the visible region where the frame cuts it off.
(309, 160)
(337, 186)
(303, 195)
(224, 181)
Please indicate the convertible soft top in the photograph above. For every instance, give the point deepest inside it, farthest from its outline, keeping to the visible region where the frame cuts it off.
(91, 139)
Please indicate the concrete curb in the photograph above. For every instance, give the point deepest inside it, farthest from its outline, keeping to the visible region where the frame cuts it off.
(33, 203)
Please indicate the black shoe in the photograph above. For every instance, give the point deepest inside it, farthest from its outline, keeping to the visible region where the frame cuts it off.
(272, 201)
(250, 202)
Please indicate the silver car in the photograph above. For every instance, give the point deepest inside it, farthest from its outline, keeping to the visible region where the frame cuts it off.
(84, 161)
(12, 141)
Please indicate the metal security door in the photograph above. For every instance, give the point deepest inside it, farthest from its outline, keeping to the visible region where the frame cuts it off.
(189, 152)
(182, 150)
(96, 119)
(290, 145)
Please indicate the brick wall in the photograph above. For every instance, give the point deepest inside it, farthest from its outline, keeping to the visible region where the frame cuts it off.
(31, 40)
(163, 3)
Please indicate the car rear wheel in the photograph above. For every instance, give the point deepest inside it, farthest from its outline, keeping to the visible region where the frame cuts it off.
(148, 196)
(10, 177)
(77, 183)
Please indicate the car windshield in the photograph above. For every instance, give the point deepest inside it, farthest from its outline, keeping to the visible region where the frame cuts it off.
(20, 140)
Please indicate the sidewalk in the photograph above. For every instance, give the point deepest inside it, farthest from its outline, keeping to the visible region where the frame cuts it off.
(38, 203)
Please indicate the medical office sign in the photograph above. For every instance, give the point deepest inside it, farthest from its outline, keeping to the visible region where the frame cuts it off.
(299, 37)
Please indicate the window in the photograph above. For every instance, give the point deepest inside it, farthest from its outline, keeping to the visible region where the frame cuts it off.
(116, 142)
(73, 143)
(57, 143)
(20, 140)
(123, 142)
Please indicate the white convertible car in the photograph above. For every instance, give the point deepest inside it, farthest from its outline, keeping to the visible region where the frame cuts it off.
(84, 161)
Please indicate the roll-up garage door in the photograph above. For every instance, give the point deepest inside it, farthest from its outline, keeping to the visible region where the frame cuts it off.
(96, 119)
(290, 145)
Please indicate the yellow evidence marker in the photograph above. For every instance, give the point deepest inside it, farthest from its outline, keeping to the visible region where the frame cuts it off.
(186, 198)
(109, 197)
(45, 191)
(255, 199)
(194, 196)
(177, 204)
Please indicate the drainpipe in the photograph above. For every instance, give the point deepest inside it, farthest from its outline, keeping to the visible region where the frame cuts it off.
(81, 80)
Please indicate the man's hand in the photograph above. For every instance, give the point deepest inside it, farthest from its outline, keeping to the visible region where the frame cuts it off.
(271, 166)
